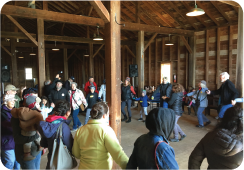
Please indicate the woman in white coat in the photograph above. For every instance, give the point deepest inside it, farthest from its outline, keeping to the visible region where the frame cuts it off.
(102, 91)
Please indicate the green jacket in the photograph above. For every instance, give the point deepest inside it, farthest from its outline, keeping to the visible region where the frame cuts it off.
(16, 105)
(96, 145)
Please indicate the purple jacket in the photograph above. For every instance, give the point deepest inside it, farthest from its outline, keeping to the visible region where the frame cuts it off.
(7, 139)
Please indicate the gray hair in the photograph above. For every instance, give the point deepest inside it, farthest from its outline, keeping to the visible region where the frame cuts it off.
(73, 83)
(47, 82)
(225, 74)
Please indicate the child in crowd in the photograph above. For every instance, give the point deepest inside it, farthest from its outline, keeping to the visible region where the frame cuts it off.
(143, 101)
(29, 118)
(91, 99)
(45, 107)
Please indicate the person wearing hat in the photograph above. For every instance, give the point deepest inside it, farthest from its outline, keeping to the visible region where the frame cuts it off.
(91, 99)
(102, 91)
(50, 85)
(58, 94)
(126, 97)
(143, 101)
(7, 140)
(11, 89)
(89, 84)
(201, 102)
(68, 82)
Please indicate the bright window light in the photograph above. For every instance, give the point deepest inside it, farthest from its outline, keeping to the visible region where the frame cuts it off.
(28, 74)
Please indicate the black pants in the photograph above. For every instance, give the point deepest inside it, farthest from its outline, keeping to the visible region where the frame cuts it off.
(123, 104)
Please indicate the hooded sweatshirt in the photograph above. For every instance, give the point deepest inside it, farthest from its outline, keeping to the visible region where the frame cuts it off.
(48, 132)
(160, 123)
(222, 149)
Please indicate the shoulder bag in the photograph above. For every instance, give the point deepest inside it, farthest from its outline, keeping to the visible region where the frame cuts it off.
(197, 103)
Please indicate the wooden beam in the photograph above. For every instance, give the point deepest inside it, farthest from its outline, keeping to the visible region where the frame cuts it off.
(232, 3)
(100, 55)
(192, 62)
(15, 79)
(22, 29)
(149, 64)
(222, 25)
(45, 5)
(91, 60)
(128, 49)
(123, 62)
(78, 57)
(101, 10)
(47, 65)
(138, 11)
(71, 54)
(187, 68)
(163, 48)
(65, 64)
(215, 4)
(218, 58)
(207, 57)
(150, 41)
(98, 50)
(230, 50)
(186, 44)
(50, 15)
(178, 61)
(5, 49)
(90, 11)
(140, 61)
(156, 62)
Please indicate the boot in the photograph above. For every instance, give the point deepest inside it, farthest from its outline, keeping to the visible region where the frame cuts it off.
(129, 120)
(189, 110)
(125, 118)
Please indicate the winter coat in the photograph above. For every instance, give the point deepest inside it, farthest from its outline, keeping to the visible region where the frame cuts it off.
(28, 118)
(87, 87)
(7, 139)
(160, 125)
(77, 99)
(202, 96)
(164, 90)
(102, 92)
(48, 132)
(48, 88)
(18, 99)
(56, 95)
(126, 92)
(96, 145)
(45, 111)
(67, 85)
(91, 99)
(175, 103)
(143, 100)
(222, 149)
(227, 92)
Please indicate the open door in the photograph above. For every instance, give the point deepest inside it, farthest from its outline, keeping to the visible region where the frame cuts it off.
(165, 71)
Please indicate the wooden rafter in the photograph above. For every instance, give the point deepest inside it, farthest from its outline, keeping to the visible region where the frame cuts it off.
(22, 29)
(101, 10)
(100, 55)
(90, 10)
(215, 4)
(128, 49)
(77, 57)
(5, 49)
(232, 3)
(71, 54)
(150, 41)
(98, 50)
(186, 44)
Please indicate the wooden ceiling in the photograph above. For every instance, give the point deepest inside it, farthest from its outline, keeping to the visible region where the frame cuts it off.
(170, 14)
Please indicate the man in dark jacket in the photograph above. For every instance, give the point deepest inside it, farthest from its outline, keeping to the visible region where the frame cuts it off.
(50, 85)
(165, 91)
(58, 94)
(68, 82)
(227, 92)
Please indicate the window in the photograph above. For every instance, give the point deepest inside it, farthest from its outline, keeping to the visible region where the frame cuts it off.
(28, 73)
(165, 71)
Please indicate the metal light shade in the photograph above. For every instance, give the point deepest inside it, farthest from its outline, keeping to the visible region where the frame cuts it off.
(195, 12)
(55, 49)
(169, 43)
(97, 38)
(32, 54)
(86, 55)
(21, 57)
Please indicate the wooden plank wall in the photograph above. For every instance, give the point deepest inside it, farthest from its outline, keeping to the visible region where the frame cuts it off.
(126, 60)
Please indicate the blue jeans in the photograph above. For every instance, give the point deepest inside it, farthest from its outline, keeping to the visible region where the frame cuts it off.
(177, 130)
(76, 120)
(123, 104)
(87, 115)
(33, 164)
(163, 103)
(201, 117)
(223, 109)
(8, 159)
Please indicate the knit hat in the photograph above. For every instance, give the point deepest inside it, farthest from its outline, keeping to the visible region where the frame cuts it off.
(31, 101)
(8, 97)
(204, 83)
(128, 79)
(92, 87)
(144, 92)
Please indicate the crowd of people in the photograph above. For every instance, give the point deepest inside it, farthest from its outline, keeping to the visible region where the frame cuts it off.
(30, 125)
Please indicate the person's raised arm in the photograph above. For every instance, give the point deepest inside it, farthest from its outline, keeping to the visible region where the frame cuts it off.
(155, 92)
(132, 90)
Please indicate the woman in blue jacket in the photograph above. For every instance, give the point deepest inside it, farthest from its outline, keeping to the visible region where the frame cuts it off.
(201, 96)
(152, 150)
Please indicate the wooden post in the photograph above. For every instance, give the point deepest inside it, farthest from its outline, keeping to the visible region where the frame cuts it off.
(187, 68)
(47, 66)
(178, 63)
(239, 59)
(65, 65)
(149, 64)
(140, 61)
(83, 72)
(156, 63)
(163, 50)
(15, 80)
(91, 60)
(207, 56)
(123, 63)
(230, 51)
(218, 58)
(138, 10)
(113, 68)
(171, 64)
(41, 55)
(192, 61)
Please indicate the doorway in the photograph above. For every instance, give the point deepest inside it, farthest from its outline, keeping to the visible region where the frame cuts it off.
(165, 71)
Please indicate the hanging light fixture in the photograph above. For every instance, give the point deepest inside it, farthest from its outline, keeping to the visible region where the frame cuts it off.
(169, 43)
(86, 54)
(55, 49)
(195, 11)
(97, 38)
(20, 57)
(32, 53)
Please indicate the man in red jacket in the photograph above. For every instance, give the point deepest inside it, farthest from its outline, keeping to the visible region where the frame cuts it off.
(90, 83)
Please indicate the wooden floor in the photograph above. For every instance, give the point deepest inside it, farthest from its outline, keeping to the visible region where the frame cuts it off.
(131, 131)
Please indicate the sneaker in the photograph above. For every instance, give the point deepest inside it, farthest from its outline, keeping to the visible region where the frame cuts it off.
(79, 126)
(182, 137)
(174, 140)
(141, 120)
(207, 123)
(217, 117)
(200, 126)
(73, 130)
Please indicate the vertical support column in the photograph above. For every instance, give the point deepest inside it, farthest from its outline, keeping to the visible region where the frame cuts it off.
(47, 66)
(83, 72)
(156, 63)
(149, 64)
(239, 58)
(192, 61)
(140, 61)
(15, 79)
(123, 63)
(91, 60)
(65, 64)
(171, 64)
(41, 56)
(113, 68)
(163, 50)
(230, 51)
(218, 58)
(207, 56)
(178, 58)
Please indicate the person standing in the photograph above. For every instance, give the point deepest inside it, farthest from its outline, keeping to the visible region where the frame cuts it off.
(227, 92)
(143, 101)
(201, 102)
(67, 84)
(7, 140)
(91, 99)
(89, 84)
(126, 97)
(58, 94)
(102, 91)
(76, 99)
(165, 92)
(11, 89)
(50, 85)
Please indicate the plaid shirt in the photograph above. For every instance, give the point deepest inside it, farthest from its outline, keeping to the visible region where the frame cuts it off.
(77, 99)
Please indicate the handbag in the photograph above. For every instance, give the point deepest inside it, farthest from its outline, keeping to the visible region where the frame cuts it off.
(81, 106)
(61, 157)
(197, 103)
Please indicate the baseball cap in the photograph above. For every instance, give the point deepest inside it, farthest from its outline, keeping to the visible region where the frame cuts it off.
(11, 87)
